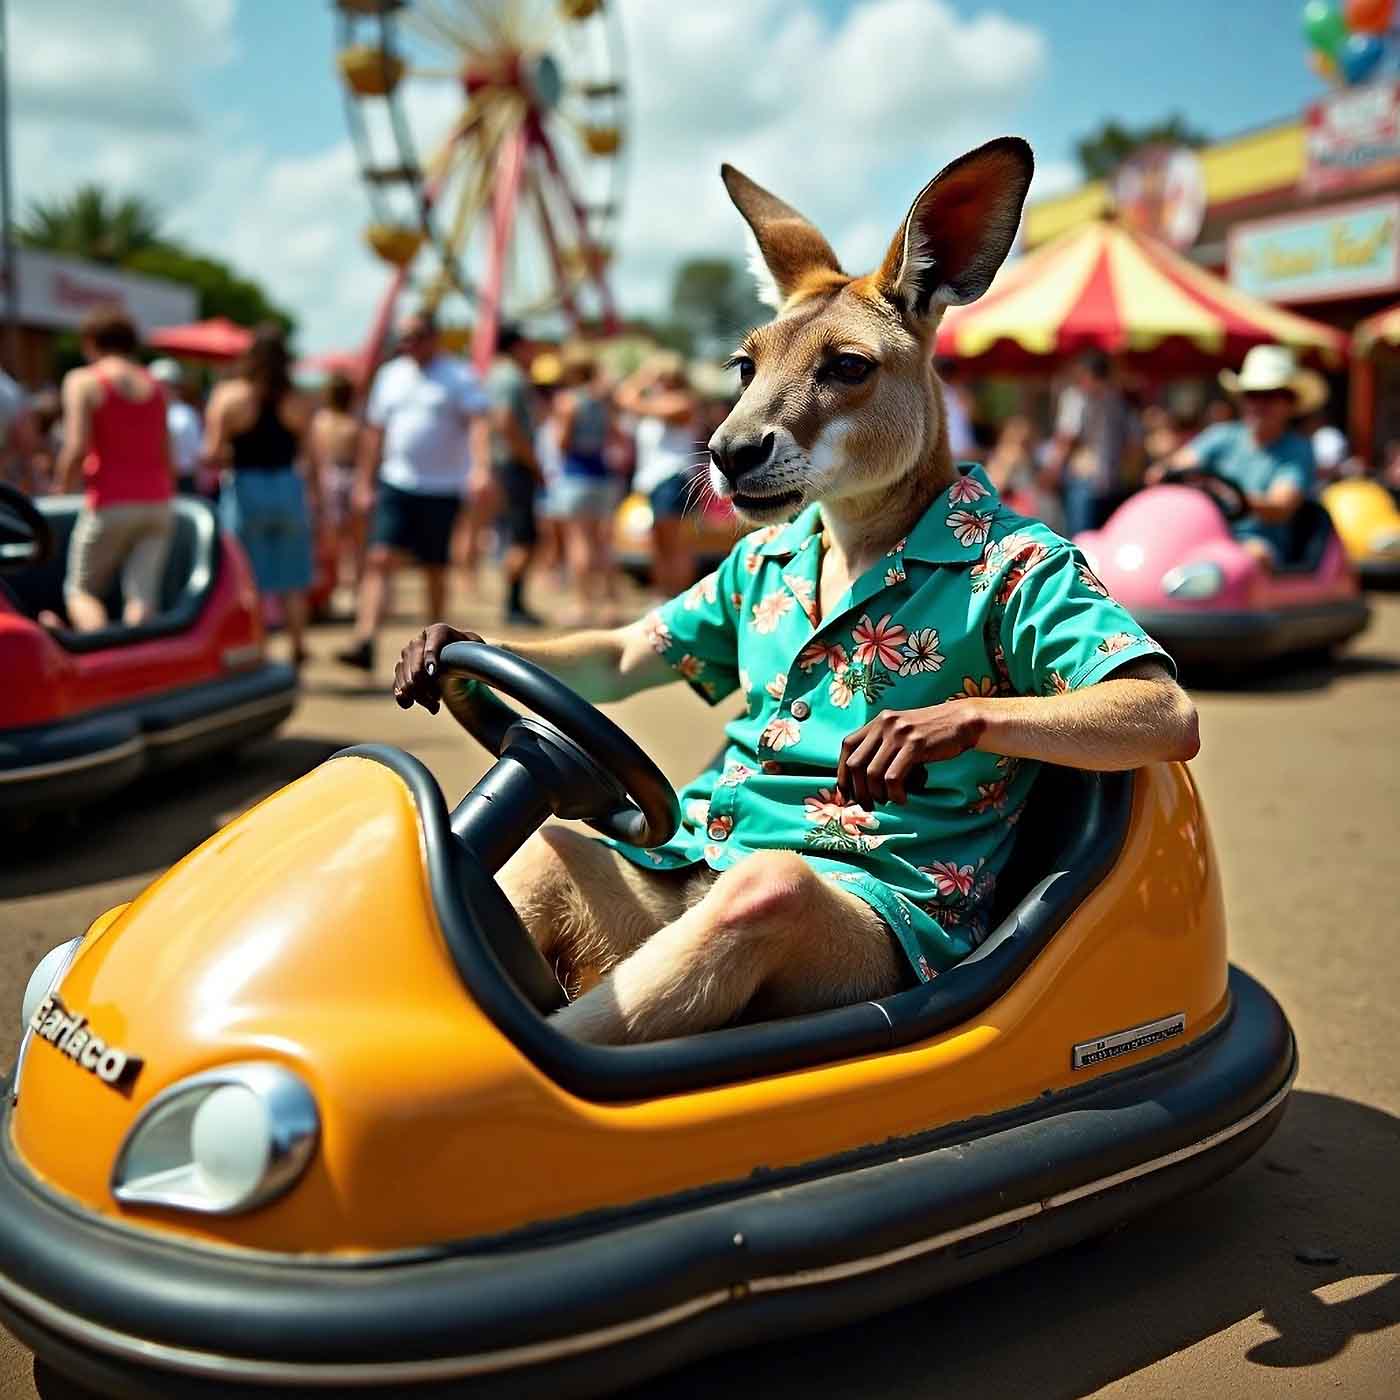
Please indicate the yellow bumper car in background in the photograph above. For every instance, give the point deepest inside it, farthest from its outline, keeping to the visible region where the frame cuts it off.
(1368, 520)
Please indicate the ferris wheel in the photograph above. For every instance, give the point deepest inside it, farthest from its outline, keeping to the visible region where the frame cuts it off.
(490, 137)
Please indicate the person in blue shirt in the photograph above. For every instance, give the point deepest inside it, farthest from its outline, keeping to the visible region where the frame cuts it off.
(1263, 454)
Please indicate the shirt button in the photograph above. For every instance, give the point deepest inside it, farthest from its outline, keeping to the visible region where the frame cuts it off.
(800, 709)
(771, 765)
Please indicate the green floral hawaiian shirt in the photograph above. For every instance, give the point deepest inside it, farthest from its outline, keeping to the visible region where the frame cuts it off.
(977, 601)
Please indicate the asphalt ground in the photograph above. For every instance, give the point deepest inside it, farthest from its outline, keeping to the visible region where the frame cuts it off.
(1279, 1281)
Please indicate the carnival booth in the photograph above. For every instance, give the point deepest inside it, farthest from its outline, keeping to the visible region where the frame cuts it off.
(1102, 286)
(1168, 553)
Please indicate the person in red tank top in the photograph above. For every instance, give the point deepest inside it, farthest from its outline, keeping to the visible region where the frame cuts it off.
(115, 441)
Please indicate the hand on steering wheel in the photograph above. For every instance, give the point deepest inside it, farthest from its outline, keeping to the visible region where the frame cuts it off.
(1233, 503)
(416, 673)
(586, 767)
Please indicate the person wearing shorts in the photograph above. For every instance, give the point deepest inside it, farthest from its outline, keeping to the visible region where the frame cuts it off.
(115, 441)
(667, 434)
(510, 448)
(256, 427)
(417, 436)
(585, 496)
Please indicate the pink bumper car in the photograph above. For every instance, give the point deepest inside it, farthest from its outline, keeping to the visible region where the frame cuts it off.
(1167, 554)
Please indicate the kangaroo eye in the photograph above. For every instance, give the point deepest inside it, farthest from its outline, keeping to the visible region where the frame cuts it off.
(852, 369)
(745, 367)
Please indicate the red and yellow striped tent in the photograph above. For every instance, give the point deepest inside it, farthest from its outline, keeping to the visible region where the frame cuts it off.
(1381, 329)
(1101, 286)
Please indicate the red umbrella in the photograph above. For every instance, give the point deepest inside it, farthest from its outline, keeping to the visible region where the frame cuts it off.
(216, 339)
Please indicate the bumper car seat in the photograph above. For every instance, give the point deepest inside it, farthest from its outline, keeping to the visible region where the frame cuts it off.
(191, 567)
(1309, 531)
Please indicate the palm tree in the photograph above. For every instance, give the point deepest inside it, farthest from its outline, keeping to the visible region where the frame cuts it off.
(93, 224)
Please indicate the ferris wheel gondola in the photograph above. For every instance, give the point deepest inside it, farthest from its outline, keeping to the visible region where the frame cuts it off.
(491, 137)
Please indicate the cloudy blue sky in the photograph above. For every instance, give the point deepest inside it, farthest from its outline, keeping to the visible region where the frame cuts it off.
(227, 115)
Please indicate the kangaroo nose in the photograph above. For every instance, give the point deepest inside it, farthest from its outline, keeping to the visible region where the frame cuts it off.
(735, 459)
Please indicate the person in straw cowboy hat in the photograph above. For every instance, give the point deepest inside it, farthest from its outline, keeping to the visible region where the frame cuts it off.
(1262, 454)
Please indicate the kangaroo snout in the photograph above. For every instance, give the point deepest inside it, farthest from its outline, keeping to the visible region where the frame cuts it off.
(735, 457)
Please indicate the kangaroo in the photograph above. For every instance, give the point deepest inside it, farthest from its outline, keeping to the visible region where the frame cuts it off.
(809, 873)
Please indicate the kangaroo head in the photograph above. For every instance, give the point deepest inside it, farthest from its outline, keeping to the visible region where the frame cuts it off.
(840, 403)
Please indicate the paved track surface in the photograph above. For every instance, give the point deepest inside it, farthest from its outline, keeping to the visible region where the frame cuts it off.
(1206, 1298)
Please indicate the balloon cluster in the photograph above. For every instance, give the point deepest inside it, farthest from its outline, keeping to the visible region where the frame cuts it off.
(1352, 41)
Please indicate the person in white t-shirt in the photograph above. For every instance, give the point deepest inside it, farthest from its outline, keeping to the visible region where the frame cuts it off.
(182, 423)
(658, 396)
(417, 438)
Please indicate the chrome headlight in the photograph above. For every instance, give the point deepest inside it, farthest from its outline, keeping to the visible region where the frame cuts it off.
(43, 980)
(1202, 580)
(219, 1142)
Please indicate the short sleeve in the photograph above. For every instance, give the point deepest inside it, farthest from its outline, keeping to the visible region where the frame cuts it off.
(1299, 467)
(1069, 419)
(1209, 446)
(377, 409)
(697, 632)
(468, 393)
(1061, 630)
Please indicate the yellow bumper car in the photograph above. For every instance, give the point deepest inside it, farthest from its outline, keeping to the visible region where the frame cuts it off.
(1368, 520)
(295, 1121)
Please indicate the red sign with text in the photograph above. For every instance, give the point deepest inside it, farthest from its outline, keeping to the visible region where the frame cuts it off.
(1353, 137)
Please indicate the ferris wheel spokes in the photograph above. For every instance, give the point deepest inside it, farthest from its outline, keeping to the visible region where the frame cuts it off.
(511, 209)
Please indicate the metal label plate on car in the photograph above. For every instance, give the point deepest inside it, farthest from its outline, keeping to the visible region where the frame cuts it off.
(1109, 1047)
(69, 1032)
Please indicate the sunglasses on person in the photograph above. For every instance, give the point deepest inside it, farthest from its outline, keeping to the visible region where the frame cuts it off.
(1267, 395)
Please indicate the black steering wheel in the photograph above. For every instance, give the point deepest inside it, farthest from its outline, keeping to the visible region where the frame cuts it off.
(1233, 503)
(26, 537)
(577, 764)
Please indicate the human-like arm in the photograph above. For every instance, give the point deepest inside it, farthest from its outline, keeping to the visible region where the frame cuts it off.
(522, 450)
(367, 466)
(304, 417)
(601, 665)
(1278, 503)
(1138, 715)
(216, 429)
(77, 432)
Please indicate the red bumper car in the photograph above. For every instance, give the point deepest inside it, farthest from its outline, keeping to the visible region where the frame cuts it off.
(82, 714)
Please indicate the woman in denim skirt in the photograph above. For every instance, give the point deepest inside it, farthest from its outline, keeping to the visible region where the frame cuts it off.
(254, 427)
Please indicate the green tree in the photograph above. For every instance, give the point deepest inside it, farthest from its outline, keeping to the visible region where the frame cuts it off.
(714, 300)
(1105, 149)
(221, 291)
(127, 232)
(93, 224)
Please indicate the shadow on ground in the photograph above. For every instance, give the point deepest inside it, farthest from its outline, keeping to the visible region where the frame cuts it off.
(1066, 1325)
(154, 823)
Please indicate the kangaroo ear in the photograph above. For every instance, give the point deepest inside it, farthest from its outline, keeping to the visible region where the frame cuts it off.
(789, 246)
(959, 230)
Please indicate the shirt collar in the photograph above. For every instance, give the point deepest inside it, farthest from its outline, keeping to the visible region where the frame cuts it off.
(944, 534)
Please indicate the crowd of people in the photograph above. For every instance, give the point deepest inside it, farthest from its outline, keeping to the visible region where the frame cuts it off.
(437, 468)
(1108, 437)
(440, 469)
